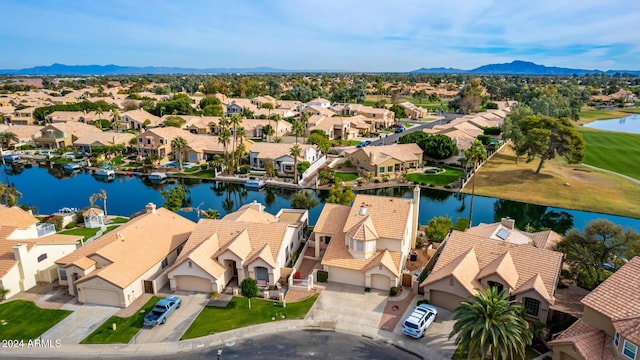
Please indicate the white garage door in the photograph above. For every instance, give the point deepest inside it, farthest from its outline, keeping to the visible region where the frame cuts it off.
(380, 282)
(101, 296)
(193, 283)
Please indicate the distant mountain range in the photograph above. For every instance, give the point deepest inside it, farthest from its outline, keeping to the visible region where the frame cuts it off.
(517, 67)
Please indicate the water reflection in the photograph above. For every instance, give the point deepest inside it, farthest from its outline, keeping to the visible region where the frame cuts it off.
(535, 217)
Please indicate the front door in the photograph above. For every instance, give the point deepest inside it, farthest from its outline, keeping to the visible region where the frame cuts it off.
(148, 287)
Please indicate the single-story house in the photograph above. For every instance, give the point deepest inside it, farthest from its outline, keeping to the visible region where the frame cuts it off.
(85, 142)
(386, 159)
(280, 154)
(120, 266)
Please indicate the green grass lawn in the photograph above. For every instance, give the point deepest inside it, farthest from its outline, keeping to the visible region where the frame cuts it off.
(237, 315)
(593, 114)
(344, 142)
(117, 160)
(613, 151)
(450, 175)
(203, 174)
(25, 321)
(346, 176)
(119, 220)
(87, 233)
(126, 328)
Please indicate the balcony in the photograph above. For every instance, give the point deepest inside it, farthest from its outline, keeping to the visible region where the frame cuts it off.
(45, 229)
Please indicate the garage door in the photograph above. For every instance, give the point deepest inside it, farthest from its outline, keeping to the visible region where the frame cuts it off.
(380, 282)
(193, 283)
(101, 296)
(444, 300)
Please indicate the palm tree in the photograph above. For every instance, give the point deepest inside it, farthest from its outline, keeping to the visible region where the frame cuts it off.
(225, 138)
(276, 118)
(268, 106)
(297, 129)
(179, 144)
(241, 134)
(475, 154)
(210, 213)
(5, 138)
(235, 121)
(115, 117)
(9, 195)
(295, 151)
(490, 325)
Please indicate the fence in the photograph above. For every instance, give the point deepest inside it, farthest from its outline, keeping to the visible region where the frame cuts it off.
(315, 166)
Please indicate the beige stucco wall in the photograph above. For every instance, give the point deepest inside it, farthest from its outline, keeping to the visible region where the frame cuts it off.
(543, 313)
(393, 280)
(274, 274)
(443, 285)
(54, 252)
(565, 352)
(11, 281)
(598, 321)
(346, 276)
(70, 270)
(228, 255)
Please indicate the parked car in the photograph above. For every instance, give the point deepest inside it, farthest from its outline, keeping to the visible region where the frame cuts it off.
(399, 129)
(364, 143)
(417, 323)
(161, 310)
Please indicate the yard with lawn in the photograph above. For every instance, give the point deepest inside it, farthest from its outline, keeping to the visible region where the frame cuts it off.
(87, 233)
(23, 320)
(345, 176)
(604, 146)
(237, 315)
(202, 174)
(437, 179)
(126, 328)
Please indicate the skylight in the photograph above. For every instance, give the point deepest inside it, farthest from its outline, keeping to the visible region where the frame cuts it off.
(503, 234)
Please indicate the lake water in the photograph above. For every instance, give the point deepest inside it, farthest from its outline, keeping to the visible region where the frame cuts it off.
(628, 124)
(49, 189)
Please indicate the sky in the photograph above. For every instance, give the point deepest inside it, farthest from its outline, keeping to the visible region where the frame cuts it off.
(347, 35)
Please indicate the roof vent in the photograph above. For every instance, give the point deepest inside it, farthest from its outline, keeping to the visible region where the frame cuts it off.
(363, 211)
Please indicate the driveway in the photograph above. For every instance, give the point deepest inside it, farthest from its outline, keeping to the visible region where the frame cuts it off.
(77, 326)
(436, 339)
(177, 323)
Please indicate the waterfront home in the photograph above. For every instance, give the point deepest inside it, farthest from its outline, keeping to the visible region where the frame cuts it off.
(467, 263)
(462, 133)
(386, 159)
(118, 267)
(28, 250)
(26, 135)
(334, 127)
(85, 142)
(247, 243)
(279, 153)
(55, 136)
(367, 244)
(610, 324)
(505, 230)
(24, 116)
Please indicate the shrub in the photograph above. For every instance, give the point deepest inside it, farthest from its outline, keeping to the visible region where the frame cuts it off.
(461, 224)
(214, 295)
(385, 178)
(322, 276)
(244, 169)
(395, 290)
(418, 242)
(347, 163)
(203, 166)
(377, 181)
(70, 225)
(422, 301)
(56, 221)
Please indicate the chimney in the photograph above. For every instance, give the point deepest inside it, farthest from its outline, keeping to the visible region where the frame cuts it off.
(508, 223)
(20, 252)
(151, 208)
(372, 156)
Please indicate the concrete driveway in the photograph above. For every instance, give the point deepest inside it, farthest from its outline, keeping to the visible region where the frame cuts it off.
(436, 339)
(177, 323)
(77, 326)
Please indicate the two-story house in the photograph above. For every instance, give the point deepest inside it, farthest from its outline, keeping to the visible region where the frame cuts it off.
(28, 250)
(139, 119)
(58, 135)
(610, 324)
(24, 116)
(467, 263)
(367, 244)
(247, 243)
(283, 162)
(120, 266)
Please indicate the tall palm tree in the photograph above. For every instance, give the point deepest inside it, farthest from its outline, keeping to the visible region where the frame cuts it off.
(475, 154)
(210, 213)
(240, 135)
(5, 138)
(295, 152)
(235, 121)
(276, 118)
(268, 106)
(297, 129)
(115, 117)
(179, 144)
(491, 326)
(224, 138)
(9, 195)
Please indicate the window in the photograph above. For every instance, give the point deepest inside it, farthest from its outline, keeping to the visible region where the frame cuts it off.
(62, 272)
(531, 306)
(165, 262)
(451, 281)
(140, 140)
(179, 249)
(389, 168)
(189, 264)
(327, 239)
(360, 245)
(381, 169)
(42, 257)
(630, 350)
(616, 340)
(496, 285)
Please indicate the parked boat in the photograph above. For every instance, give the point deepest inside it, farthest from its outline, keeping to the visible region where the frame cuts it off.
(11, 158)
(157, 177)
(254, 183)
(105, 171)
(71, 167)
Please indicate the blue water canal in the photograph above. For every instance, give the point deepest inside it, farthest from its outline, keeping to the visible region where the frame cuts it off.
(49, 189)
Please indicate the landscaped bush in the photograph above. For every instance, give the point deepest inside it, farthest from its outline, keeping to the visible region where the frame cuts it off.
(385, 178)
(244, 169)
(422, 301)
(395, 290)
(203, 166)
(461, 224)
(322, 276)
(56, 221)
(70, 225)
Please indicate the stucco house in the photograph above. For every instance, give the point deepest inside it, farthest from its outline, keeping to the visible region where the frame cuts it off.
(135, 119)
(25, 133)
(334, 127)
(505, 230)
(367, 244)
(120, 266)
(28, 250)
(468, 263)
(279, 153)
(54, 136)
(247, 243)
(386, 159)
(610, 324)
(319, 102)
(24, 116)
(85, 142)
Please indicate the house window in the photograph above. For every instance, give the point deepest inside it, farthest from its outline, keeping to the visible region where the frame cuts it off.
(42, 257)
(389, 168)
(496, 285)
(630, 350)
(148, 141)
(62, 273)
(327, 239)
(140, 140)
(165, 262)
(359, 245)
(381, 169)
(189, 264)
(531, 306)
(179, 249)
(616, 340)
